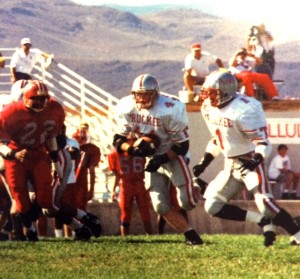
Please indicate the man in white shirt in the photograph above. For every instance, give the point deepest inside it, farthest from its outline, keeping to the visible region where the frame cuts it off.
(280, 169)
(24, 59)
(196, 66)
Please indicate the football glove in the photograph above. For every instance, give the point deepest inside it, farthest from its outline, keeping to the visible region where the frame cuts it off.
(206, 160)
(144, 149)
(251, 163)
(154, 164)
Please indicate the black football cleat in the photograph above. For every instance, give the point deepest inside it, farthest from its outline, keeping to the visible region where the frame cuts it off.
(4, 236)
(83, 234)
(192, 238)
(31, 236)
(270, 237)
(93, 223)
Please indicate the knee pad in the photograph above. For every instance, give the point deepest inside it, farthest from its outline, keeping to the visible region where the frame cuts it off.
(213, 206)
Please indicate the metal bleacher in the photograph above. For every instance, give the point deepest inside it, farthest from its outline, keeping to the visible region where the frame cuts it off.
(82, 101)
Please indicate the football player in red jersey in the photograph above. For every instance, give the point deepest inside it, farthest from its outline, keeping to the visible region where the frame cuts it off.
(85, 169)
(28, 130)
(129, 176)
(67, 187)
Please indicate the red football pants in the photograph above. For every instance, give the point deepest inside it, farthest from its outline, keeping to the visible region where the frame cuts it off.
(129, 193)
(248, 78)
(35, 169)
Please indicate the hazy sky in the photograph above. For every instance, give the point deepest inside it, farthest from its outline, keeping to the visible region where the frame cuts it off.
(282, 18)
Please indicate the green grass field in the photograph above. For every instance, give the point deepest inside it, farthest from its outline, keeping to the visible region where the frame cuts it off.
(222, 256)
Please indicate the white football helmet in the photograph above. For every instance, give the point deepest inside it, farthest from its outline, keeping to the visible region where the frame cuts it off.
(145, 91)
(220, 87)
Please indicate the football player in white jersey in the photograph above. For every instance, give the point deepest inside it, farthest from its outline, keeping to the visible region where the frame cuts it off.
(149, 112)
(238, 127)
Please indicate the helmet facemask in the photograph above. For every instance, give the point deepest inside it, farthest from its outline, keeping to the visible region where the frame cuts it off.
(36, 103)
(145, 91)
(35, 95)
(220, 88)
(144, 100)
(212, 94)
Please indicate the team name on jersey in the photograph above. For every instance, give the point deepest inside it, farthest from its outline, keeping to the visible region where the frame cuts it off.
(146, 120)
(219, 121)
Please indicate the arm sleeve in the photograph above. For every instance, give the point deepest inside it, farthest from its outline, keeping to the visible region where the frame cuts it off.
(254, 125)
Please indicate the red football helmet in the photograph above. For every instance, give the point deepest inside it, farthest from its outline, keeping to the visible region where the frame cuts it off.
(81, 136)
(35, 95)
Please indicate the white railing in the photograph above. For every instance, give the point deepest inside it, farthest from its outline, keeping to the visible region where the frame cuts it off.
(82, 101)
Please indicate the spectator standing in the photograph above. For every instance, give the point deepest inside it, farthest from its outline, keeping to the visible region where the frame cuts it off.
(280, 169)
(85, 168)
(24, 59)
(129, 176)
(148, 112)
(239, 130)
(260, 43)
(196, 66)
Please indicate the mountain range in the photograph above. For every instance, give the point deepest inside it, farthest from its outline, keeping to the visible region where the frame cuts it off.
(110, 46)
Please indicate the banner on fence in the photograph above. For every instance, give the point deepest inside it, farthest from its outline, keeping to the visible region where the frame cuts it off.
(284, 130)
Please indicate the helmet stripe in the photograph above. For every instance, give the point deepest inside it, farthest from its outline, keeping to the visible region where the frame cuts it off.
(141, 81)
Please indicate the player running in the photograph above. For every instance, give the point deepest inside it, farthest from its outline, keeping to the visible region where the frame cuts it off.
(148, 112)
(238, 127)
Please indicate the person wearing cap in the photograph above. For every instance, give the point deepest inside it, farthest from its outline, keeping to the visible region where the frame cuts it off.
(280, 170)
(196, 66)
(24, 59)
(242, 65)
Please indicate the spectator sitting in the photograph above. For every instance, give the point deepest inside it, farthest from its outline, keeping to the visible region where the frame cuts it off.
(242, 65)
(280, 170)
(196, 66)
